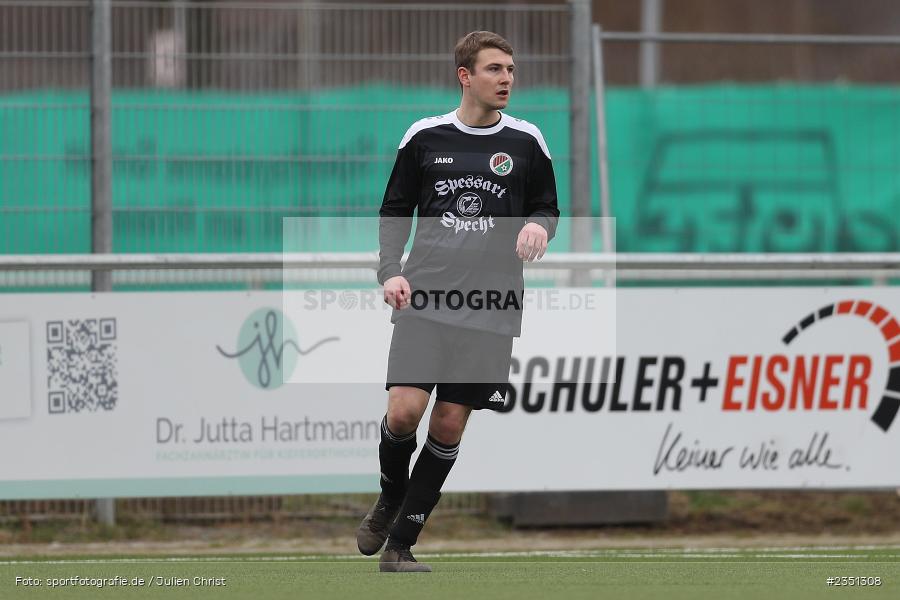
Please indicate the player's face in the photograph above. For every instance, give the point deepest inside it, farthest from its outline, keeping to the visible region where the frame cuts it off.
(491, 80)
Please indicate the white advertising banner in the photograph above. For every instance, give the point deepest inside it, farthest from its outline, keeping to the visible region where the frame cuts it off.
(147, 394)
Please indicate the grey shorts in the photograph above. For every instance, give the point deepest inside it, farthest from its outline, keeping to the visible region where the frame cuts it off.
(466, 366)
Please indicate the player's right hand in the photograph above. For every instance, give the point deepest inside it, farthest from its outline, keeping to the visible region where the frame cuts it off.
(397, 292)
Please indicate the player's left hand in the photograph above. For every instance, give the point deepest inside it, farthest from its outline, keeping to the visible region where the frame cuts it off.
(532, 242)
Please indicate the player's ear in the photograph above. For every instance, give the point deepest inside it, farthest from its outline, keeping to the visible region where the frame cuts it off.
(462, 74)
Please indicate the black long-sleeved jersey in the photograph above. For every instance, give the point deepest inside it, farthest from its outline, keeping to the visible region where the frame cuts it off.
(474, 188)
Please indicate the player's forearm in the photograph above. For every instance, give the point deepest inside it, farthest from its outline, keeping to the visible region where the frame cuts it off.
(393, 232)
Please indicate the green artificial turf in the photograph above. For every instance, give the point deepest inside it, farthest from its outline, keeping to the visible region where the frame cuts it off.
(674, 575)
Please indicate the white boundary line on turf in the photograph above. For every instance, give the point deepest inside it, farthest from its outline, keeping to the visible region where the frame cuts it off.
(518, 562)
(694, 553)
(689, 552)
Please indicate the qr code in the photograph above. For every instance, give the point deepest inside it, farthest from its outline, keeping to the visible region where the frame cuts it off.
(81, 362)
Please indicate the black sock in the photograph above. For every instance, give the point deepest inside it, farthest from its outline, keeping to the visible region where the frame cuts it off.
(394, 453)
(428, 476)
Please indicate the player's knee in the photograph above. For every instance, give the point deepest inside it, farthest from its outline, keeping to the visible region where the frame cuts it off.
(402, 418)
(447, 429)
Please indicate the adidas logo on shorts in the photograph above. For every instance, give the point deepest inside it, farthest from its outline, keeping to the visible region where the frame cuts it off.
(497, 398)
(420, 519)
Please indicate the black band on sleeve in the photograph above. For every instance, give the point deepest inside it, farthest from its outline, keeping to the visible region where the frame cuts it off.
(540, 201)
(400, 199)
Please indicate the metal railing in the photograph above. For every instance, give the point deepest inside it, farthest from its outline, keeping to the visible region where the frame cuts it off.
(211, 510)
(325, 267)
(847, 262)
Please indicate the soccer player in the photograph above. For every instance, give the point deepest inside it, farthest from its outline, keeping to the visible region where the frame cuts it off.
(485, 192)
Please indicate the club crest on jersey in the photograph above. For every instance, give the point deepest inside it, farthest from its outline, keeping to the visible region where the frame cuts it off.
(468, 204)
(501, 164)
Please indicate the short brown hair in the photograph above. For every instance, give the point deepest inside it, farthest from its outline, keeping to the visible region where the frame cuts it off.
(468, 47)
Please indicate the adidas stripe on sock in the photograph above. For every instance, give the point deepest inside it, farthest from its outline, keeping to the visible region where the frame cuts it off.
(442, 450)
(392, 437)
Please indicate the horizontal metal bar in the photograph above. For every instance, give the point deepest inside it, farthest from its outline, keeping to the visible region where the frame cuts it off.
(335, 6)
(268, 260)
(358, 6)
(217, 158)
(302, 211)
(327, 204)
(750, 38)
(260, 106)
(269, 56)
(681, 38)
(365, 276)
(291, 5)
(40, 106)
(347, 260)
(731, 261)
(46, 3)
(321, 56)
(12, 54)
(748, 276)
(241, 158)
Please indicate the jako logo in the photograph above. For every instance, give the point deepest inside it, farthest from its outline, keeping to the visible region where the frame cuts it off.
(267, 349)
(440, 160)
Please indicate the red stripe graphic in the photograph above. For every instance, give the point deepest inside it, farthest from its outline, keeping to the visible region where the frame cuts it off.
(891, 330)
(879, 315)
(863, 307)
(894, 352)
(844, 307)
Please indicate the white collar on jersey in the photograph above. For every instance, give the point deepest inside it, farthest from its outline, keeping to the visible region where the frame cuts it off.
(478, 130)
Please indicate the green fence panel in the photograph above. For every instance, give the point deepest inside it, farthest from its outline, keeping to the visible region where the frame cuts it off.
(773, 168)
